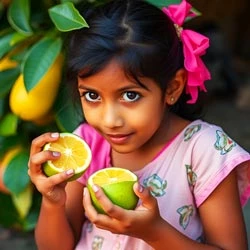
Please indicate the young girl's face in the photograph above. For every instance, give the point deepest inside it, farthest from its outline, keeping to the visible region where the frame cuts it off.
(126, 114)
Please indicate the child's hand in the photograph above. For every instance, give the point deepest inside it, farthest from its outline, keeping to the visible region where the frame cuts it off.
(117, 220)
(52, 188)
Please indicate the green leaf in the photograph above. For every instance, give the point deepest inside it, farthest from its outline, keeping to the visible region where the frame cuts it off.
(5, 44)
(15, 176)
(31, 219)
(17, 37)
(8, 78)
(196, 12)
(23, 201)
(2, 107)
(66, 17)
(163, 3)
(75, 1)
(41, 56)
(6, 143)
(19, 15)
(8, 213)
(8, 125)
(68, 114)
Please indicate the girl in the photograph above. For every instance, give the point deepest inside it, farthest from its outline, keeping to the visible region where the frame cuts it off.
(137, 71)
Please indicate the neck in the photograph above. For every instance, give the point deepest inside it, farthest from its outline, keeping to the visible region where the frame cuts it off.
(170, 126)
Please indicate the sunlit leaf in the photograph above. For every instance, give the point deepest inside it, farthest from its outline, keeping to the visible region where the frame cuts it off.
(42, 55)
(31, 219)
(17, 37)
(23, 201)
(66, 17)
(15, 176)
(8, 124)
(19, 15)
(196, 12)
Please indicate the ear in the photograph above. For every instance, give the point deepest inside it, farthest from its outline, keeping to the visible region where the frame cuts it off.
(176, 87)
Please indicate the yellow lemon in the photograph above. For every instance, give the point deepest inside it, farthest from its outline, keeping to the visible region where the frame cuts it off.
(117, 184)
(37, 103)
(75, 154)
(7, 63)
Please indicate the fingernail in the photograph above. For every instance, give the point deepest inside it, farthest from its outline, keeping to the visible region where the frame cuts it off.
(70, 172)
(141, 188)
(95, 188)
(54, 153)
(84, 191)
(54, 135)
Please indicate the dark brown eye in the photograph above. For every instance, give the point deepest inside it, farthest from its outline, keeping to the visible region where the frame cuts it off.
(131, 96)
(92, 97)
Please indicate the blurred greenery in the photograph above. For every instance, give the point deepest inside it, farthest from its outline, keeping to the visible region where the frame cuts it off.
(32, 37)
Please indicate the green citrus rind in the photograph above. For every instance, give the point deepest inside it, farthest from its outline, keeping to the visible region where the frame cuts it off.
(120, 194)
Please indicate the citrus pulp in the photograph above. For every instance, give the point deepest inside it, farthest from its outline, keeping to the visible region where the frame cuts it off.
(75, 154)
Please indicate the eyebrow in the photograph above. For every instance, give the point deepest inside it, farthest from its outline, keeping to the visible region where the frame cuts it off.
(131, 86)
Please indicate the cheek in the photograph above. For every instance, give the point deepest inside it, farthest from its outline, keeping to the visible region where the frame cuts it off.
(147, 118)
(89, 114)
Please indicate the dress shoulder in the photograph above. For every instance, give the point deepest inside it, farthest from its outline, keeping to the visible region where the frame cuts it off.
(214, 154)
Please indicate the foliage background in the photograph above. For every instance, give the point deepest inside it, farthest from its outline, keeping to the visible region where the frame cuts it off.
(32, 35)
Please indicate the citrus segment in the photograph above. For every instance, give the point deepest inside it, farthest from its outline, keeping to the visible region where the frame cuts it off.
(117, 184)
(75, 154)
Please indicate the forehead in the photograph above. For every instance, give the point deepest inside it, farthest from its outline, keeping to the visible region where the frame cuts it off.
(113, 76)
(111, 71)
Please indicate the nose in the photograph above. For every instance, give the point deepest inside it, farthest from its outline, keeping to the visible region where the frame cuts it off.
(112, 116)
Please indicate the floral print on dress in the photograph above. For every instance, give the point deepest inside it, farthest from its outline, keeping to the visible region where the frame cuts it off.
(191, 176)
(185, 214)
(223, 142)
(97, 243)
(190, 131)
(156, 185)
(89, 227)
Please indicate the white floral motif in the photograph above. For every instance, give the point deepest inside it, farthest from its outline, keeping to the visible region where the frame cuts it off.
(156, 185)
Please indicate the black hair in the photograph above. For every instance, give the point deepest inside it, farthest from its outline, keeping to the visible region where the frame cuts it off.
(137, 35)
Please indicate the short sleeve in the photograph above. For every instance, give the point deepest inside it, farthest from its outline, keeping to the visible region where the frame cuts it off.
(214, 156)
(99, 147)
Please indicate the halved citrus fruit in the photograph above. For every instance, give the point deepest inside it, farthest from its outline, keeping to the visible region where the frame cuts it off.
(75, 154)
(117, 184)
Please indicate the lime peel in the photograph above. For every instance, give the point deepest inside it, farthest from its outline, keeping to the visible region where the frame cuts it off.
(118, 190)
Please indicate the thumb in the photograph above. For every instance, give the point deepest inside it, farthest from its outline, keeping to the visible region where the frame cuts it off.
(147, 199)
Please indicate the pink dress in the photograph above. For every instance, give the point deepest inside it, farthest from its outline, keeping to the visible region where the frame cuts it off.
(181, 177)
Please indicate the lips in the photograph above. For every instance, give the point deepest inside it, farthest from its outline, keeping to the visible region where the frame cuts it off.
(118, 138)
